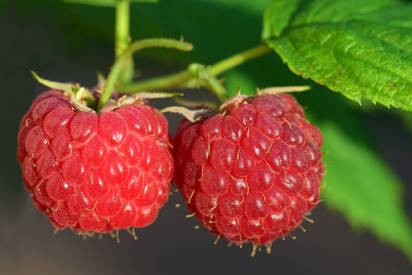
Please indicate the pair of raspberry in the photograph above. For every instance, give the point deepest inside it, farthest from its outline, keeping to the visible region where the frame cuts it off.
(248, 173)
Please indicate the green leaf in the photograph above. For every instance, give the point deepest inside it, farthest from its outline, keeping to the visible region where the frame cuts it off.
(364, 190)
(105, 3)
(274, 25)
(361, 48)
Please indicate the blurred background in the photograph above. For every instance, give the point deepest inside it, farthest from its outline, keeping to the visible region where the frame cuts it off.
(368, 188)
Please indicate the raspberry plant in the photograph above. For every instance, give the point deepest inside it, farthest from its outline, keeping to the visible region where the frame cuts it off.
(360, 49)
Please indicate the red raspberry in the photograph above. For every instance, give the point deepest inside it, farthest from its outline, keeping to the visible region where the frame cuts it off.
(95, 172)
(252, 172)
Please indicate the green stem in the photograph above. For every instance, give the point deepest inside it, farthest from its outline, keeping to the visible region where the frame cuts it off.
(181, 78)
(122, 26)
(133, 48)
(203, 77)
(122, 39)
(238, 59)
(155, 83)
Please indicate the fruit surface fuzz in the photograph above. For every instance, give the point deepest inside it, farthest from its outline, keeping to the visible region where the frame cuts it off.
(251, 172)
(95, 172)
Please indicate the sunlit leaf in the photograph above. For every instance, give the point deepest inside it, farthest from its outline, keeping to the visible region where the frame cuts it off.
(360, 48)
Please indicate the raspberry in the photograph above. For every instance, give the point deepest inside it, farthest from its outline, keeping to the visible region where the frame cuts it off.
(252, 172)
(95, 172)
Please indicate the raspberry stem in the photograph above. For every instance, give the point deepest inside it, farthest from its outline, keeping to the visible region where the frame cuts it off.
(203, 77)
(122, 26)
(116, 70)
(191, 78)
(158, 83)
(122, 40)
(238, 59)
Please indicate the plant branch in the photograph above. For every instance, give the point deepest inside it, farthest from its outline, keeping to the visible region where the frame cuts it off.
(122, 26)
(206, 79)
(238, 59)
(164, 82)
(133, 48)
(189, 77)
(122, 38)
